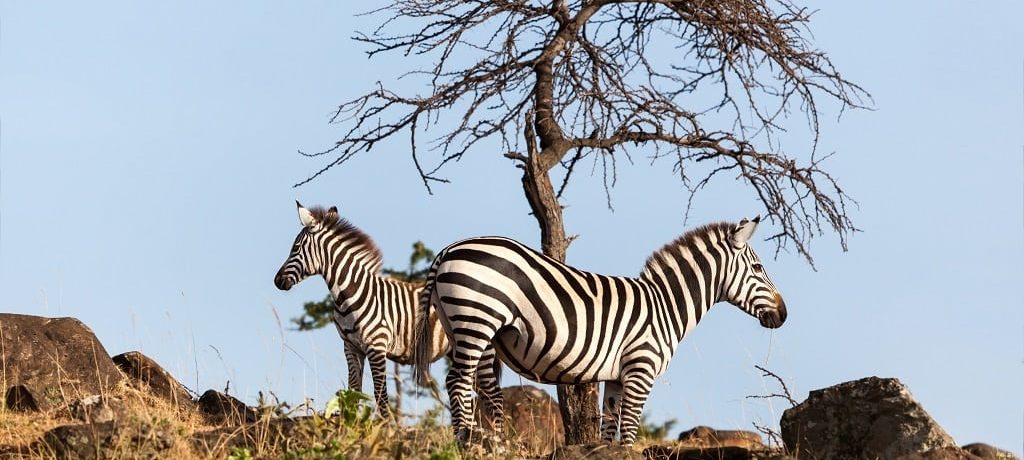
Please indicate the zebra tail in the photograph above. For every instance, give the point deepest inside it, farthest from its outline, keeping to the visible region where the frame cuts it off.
(422, 337)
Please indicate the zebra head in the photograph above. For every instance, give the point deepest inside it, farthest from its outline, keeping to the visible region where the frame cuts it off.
(747, 285)
(307, 257)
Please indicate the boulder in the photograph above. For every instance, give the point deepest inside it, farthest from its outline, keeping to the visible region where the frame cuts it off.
(867, 418)
(48, 362)
(532, 418)
(701, 442)
(146, 375)
(600, 451)
(703, 436)
(678, 452)
(987, 452)
(222, 409)
(107, 440)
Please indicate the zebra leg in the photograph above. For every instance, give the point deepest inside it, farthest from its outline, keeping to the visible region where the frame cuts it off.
(467, 347)
(611, 410)
(378, 372)
(459, 385)
(354, 359)
(488, 384)
(636, 387)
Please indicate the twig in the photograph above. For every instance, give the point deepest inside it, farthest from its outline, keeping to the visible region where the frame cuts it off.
(785, 390)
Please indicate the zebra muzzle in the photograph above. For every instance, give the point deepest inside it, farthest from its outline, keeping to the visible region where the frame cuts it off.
(774, 318)
(283, 281)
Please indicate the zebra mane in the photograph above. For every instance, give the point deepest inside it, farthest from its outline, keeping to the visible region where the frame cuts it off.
(714, 231)
(343, 227)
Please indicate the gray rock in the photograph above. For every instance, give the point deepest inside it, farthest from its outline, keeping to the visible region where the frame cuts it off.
(864, 419)
(48, 362)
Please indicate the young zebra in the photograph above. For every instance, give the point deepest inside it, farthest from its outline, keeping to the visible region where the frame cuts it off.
(375, 314)
(555, 324)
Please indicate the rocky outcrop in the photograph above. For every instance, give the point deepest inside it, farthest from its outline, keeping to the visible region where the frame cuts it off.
(863, 419)
(48, 362)
(146, 375)
(532, 419)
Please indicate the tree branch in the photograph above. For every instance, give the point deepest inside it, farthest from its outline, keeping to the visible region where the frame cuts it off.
(589, 73)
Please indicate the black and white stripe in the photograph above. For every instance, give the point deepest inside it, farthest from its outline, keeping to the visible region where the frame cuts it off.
(555, 324)
(375, 314)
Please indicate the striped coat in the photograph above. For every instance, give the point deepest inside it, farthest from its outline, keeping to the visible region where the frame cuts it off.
(375, 315)
(553, 323)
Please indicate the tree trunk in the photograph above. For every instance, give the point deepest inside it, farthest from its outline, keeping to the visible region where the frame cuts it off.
(577, 403)
(581, 418)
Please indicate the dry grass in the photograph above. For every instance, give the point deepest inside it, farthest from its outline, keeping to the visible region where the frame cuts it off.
(21, 429)
(149, 427)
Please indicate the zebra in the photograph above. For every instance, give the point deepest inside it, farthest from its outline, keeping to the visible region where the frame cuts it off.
(553, 323)
(374, 314)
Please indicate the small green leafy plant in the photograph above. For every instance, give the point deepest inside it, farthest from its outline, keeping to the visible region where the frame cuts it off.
(240, 453)
(332, 451)
(351, 407)
(449, 451)
(654, 431)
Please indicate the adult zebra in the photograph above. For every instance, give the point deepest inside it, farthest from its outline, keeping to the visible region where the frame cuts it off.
(375, 314)
(555, 324)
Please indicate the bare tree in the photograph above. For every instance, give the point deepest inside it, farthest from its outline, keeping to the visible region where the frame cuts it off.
(559, 82)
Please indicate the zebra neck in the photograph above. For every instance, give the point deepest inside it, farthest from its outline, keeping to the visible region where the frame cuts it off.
(683, 289)
(356, 291)
(353, 286)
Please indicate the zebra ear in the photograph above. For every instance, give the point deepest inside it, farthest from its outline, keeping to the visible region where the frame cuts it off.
(305, 217)
(743, 231)
(332, 214)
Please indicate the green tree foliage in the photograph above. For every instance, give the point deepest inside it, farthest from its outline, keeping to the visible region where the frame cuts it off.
(419, 263)
(316, 315)
(654, 431)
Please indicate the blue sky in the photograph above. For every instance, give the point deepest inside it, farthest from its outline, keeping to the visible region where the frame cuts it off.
(147, 154)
